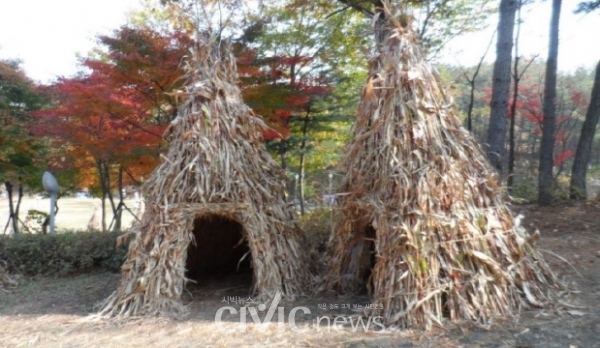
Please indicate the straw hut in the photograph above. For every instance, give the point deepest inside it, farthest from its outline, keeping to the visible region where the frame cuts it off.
(214, 203)
(423, 227)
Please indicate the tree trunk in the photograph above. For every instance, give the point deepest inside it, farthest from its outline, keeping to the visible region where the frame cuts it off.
(290, 183)
(106, 167)
(282, 152)
(16, 212)
(471, 81)
(104, 175)
(11, 209)
(513, 106)
(511, 132)
(103, 199)
(119, 213)
(584, 146)
(303, 157)
(470, 106)
(103, 205)
(496, 136)
(532, 154)
(546, 181)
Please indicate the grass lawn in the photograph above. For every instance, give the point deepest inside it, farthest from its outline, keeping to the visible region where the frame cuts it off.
(73, 213)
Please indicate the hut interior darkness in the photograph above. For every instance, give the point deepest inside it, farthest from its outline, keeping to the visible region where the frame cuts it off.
(219, 248)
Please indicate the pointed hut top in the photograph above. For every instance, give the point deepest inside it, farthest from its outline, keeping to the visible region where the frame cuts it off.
(419, 193)
(212, 81)
(216, 166)
(216, 152)
(406, 115)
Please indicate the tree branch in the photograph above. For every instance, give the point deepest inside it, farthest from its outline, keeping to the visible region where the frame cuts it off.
(358, 6)
(587, 6)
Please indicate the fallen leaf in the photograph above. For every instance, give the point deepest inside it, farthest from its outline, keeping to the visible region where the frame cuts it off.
(575, 312)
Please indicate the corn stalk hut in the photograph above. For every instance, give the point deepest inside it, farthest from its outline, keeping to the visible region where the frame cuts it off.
(423, 226)
(216, 200)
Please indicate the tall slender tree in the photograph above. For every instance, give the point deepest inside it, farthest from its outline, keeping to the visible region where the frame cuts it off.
(471, 79)
(584, 146)
(517, 75)
(546, 180)
(577, 189)
(496, 137)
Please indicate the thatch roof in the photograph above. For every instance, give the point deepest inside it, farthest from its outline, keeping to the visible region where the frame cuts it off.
(420, 194)
(216, 166)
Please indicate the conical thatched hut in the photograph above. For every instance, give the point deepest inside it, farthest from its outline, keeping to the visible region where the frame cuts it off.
(423, 227)
(216, 200)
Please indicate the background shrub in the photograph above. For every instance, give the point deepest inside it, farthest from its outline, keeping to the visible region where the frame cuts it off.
(316, 224)
(63, 253)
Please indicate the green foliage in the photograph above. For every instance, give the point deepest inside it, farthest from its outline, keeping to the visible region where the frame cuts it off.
(560, 190)
(20, 152)
(594, 171)
(455, 80)
(524, 190)
(61, 254)
(438, 22)
(316, 46)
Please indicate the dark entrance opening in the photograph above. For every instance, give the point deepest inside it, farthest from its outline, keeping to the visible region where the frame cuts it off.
(446, 305)
(368, 258)
(219, 252)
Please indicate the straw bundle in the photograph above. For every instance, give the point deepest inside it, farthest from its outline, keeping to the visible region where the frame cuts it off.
(216, 166)
(423, 226)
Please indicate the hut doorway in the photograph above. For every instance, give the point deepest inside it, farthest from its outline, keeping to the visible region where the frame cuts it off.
(219, 252)
(367, 257)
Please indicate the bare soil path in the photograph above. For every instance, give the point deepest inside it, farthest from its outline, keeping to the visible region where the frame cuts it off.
(51, 312)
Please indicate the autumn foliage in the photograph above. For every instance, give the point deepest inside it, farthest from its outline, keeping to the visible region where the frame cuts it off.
(116, 114)
(273, 87)
(529, 108)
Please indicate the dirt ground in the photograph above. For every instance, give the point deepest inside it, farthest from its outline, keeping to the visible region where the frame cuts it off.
(50, 312)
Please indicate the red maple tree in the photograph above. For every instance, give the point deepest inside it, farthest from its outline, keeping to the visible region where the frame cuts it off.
(113, 118)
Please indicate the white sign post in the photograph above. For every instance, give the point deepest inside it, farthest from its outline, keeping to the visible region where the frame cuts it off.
(51, 186)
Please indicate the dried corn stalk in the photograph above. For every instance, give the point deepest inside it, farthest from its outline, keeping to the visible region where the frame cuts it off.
(216, 165)
(445, 244)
